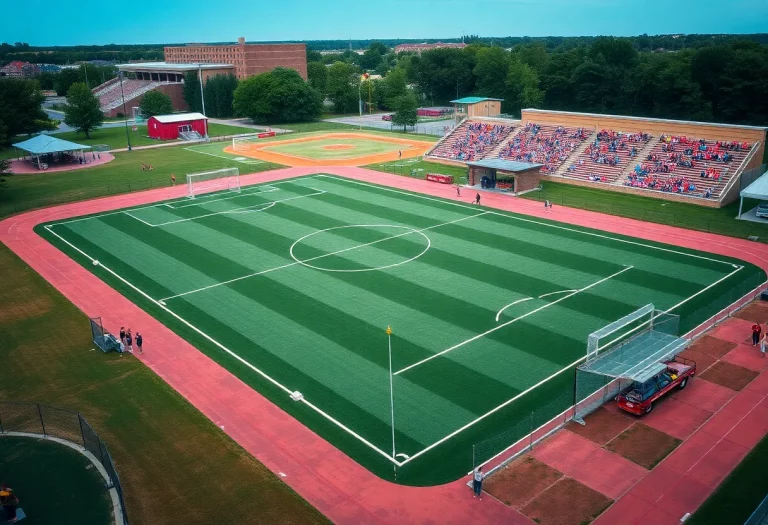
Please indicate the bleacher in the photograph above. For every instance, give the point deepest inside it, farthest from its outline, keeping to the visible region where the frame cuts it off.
(111, 96)
(608, 156)
(544, 144)
(471, 140)
(687, 165)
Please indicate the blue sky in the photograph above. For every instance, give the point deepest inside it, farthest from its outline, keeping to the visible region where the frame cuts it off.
(100, 22)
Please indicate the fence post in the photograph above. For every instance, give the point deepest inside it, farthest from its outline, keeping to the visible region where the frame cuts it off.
(82, 431)
(530, 444)
(474, 460)
(42, 423)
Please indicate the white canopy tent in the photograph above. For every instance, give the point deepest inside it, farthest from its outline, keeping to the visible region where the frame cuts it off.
(757, 190)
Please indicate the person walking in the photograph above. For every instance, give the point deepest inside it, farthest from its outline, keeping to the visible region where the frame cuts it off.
(756, 330)
(477, 199)
(139, 342)
(458, 190)
(477, 482)
(763, 344)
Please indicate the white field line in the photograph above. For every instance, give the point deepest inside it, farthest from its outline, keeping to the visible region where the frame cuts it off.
(499, 327)
(294, 263)
(186, 199)
(593, 234)
(241, 210)
(512, 304)
(268, 189)
(140, 220)
(233, 159)
(224, 348)
(555, 293)
(545, 380)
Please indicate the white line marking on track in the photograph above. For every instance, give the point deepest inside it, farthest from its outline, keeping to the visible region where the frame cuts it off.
(227, 350)
(294, 263)
(511, 304)
(478, 336)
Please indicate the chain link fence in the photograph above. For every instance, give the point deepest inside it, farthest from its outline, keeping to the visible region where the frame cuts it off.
(47, 421)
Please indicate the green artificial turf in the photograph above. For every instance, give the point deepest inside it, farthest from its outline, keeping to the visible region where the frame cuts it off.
(325, 149)
(739, 495)
(54, 483)
(301, 278)
(172, 461)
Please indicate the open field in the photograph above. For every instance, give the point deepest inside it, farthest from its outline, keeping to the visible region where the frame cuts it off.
(47, 477)
(122, 175)
(164, 449)
(291, 285)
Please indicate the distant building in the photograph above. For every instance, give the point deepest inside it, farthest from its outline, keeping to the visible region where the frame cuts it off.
(19, 70)
(418, 48)
(247, 59)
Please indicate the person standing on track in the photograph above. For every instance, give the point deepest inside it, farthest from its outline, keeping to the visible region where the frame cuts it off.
(763, 344)
(477, 482)
(122, 334)
(477, 199)
(129, 341)
(756, 330)
(458, 190)
(139, 342)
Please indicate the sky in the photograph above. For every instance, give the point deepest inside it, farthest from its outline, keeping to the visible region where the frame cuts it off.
(174, 21)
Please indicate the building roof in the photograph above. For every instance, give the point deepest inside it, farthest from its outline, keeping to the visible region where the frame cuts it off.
(504, 165)
(179, 117)
(42, 144)
(168, 66)
(474, 100)
(758, 189)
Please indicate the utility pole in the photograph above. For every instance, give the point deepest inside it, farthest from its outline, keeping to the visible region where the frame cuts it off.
(125, 114)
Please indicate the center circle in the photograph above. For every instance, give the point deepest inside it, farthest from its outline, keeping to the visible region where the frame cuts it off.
(397, 232)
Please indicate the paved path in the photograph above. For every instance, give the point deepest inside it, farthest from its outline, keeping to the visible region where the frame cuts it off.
(329, 480)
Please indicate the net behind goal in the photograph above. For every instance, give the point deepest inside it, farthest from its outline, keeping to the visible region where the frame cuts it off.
(244, 142)
(226, 179)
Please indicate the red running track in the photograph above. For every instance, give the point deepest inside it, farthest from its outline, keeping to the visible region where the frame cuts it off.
(332, 482)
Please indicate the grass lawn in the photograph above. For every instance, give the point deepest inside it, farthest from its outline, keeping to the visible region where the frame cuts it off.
(490, 310)
(741, 492)
(685, 215)
(54, 483)
(122, 175)
(175, 465)
(421, 169)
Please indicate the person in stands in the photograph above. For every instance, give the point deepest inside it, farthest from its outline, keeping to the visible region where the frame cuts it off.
(756, 330)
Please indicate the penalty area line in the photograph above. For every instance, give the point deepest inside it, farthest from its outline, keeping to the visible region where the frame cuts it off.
(478, 336)
(263, 374)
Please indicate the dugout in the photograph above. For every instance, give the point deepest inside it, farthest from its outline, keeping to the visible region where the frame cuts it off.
(476, 107)
(504, 175)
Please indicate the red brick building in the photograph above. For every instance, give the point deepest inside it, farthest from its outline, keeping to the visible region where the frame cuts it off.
(248, 59)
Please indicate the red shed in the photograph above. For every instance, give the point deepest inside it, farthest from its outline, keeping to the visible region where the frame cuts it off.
(170, 127)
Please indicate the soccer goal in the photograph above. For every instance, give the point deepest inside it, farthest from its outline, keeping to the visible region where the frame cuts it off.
(244, 142)
(226, 179)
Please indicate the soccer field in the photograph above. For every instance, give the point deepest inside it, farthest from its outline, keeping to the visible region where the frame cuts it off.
(291, 286)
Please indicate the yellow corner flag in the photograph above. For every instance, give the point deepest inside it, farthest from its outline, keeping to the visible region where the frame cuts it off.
(389, 330)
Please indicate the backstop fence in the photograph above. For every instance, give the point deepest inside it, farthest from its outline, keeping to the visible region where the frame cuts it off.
(592, 390)
(47, 421)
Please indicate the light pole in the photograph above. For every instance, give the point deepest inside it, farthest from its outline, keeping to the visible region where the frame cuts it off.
(125, 115)
(202, 95)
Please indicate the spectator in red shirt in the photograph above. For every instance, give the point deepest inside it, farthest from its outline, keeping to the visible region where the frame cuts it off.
(756, 334)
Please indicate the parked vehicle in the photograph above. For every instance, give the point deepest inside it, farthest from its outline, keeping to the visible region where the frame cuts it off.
(762, 210)
(640, 397)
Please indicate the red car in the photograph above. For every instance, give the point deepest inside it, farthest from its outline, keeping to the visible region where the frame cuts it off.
(387, 117)
(640, 398)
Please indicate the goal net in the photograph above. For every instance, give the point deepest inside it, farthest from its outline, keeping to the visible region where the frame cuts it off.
(226, 179)
(244, 142)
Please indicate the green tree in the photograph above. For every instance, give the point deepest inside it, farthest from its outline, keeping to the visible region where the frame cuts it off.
(317, 74)
(280, 95)
(219, 95)
(372, 56)
(491, 71)
(191, 91)
(5, 171)
(82, 111)
(20, 109)
(65, 79)
(342, 84)
(441, 73)
(406, 107)
(155, 103)
(522, 87)
(394, 86)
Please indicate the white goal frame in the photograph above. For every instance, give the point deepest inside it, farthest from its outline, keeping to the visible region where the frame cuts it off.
(241, 142)
(593, 342)
(209, 181)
